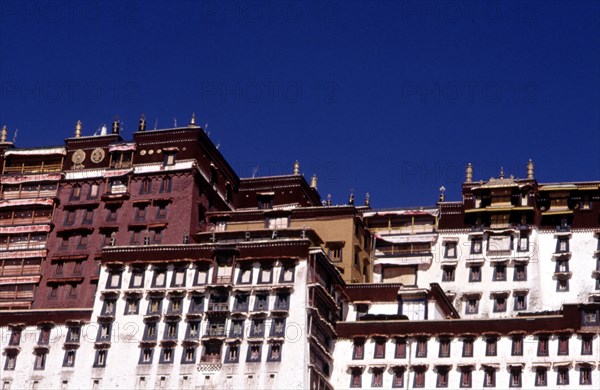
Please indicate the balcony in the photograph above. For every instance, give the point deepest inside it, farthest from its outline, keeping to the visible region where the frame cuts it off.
(215, 331)
(38, 168)
(223, 279)
(8, 195)
(211, 359)
(218, 306)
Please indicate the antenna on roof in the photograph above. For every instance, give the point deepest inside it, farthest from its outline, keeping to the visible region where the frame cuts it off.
(254, 171)
(15, 136)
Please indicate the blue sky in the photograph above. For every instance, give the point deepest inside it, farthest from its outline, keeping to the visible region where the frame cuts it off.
(390, 98)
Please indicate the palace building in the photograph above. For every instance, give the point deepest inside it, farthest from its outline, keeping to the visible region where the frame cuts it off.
(148, 263)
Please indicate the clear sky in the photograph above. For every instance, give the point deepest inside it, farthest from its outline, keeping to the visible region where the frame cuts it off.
(391, 98)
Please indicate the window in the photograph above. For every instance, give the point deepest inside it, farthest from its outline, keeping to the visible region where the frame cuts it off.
(499, 304)
(562, 376)
(93, 194)
(563, 345)
(562, 245)
(88, 217)
(523, 243)
(40, 359)
(398, 377)
(201, 275)
(109, 306)
(241, 303)
(265, 275)
(444, 348)
(137, 278)
(400, 352)
(520, 273)
(155, 306)
(499, 272)
(189, 355)
(359, 350)
(196, 304)
(467, 347)
(237, 329)
(448, 273)
(590, 317)
(419, 381)
(476, 245)
(356, 378)
(562, 285)
(146, 355)
(171, 330)
(377, 380)
(114, 279)
(379, 349)
(421, 347)
(140, 213)
(10, 361)
(520, 302)
(69, 217)
(278, 327)
(586, 344)
(178, 278)
(442, 377)
(472, 306)
(15, 336)
(160, 278)
(75, 192)
(69, 359)
(258, 327)
(489, 377)
(165, 185)
(361, 310)
(515, 377)
(150, 331)
(475, 273)
(166, 355)
(176, 305)
(146, 186)
(132, 306)
(562, 265)
(466, 377)
(253, 353)
(111, 214)
(450, 250)
(541, 374)
(193, 330)
(100, 360)
(44, 336)
(161, 211)
(104, 332)
(282, 301)
(491, 346)
(585, 375)
(261, 302)
(245, 276)
(517, 346)
(542, 349)
(233, 353)
(274, 353)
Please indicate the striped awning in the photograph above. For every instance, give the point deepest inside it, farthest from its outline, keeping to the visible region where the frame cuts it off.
(26, 202)
(24, 229)
(30, 178)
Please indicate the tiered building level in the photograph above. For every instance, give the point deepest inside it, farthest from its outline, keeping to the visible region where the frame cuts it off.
(148, 263)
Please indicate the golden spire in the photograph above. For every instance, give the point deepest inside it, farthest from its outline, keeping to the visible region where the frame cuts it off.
(442, 195)
(530, 169)
(296, 168)
(469, 172)
(3, 134)
(501, 172)
(351, 199)
(78, 127)
(142, 123)
(313, 182)
(192, 120)
(328, 199)
(368, 200)
(116, 126)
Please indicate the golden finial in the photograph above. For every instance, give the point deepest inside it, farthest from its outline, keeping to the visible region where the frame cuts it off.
(142, 123)
(328, 199)
(3, 134)
(367, 200)
(351, 199)
(296, 168)
(469, 173)
(78, 127)
(442, 195)
(501, 172)
(192, 120)
(530, 169)
(116, 126)
(313, 182)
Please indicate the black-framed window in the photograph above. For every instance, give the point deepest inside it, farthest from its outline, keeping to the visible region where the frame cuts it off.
(523, 245)
(88, 217)
(520, 272)
(282, 301)
(40, 359)
(468, 347)
(444, 347)
(472, 306)
(193, 330)
(232, 355)
(254, 353)
(379, 350)
(265, 274)
(15, 336)
(562, 244)
(562, 265)
(278, 327)
(146, 186)
(398, 377)
(69, 358)
(517, 345)
(75, 192)
(377, 377)
(542, 349)
(442, 377)
(419, 380)
(70, 216)
(520, 302)
(475, 273)
(585, 375)
(137, 278)
(258, 327)
(489, 377)
(448, 273)
(499, 272)
(93, 192)
(104, 331)
(562, 285)
(499, 304)
(100, 358)
(274, 352)
(140, 212)
(563, 345)
(586, 344)
(466, 377)
(476, 245)
(358, 351)
(287, 274)
(400, 350)
(241, 302)
(114, 279)
(10, 361)
(245, 275)
(261, 302)
(201, 277)
(171, 330)
(109, 306)
(541, 376)
(150, 331)
(421, 349)
(562, 376)
(155, 306)
(516, 374)
(146, 355)
(189, 355)
(159, 278)
(167, 354)
(179, 276)
(237, 329)
(491, 346)
(450, 250)
(73, 334)
(356, 378)
(590, 318)
(166, 184)
(111, 214)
